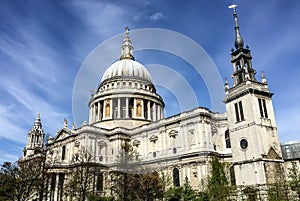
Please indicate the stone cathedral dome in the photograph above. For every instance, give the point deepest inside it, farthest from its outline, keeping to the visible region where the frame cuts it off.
(127, 68)
(126, 96)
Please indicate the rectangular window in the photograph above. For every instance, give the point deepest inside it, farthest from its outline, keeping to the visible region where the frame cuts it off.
(262, 108)
(99, 185)
(63, 153)
(239, 112)
(265, 108)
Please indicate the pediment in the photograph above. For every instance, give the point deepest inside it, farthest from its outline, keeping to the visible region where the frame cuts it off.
(62, 134)
(173, 133)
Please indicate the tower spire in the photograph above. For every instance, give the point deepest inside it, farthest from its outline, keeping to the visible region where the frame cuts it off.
(241, 58)
(239, 42)
(127, 47)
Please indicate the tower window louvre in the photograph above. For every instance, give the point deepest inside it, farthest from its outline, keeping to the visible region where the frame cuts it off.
(262, 108)
(239, 112)
(265, 108)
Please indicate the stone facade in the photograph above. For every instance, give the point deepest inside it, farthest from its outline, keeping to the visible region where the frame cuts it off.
(126, 108)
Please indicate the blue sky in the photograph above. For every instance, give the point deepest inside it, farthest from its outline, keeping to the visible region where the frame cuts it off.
(43, 45)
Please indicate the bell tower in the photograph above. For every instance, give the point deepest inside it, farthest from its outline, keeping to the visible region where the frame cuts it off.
(35, 140)
(251, 122)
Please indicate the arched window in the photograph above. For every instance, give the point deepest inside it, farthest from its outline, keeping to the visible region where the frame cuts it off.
(107, 109)
(32, 139)
(37, 139)
(176, 180)
(100, 182)
(63, 152)
(138, 108)
(227, 139)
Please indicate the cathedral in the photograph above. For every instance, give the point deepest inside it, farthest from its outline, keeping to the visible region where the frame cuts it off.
(126, 108)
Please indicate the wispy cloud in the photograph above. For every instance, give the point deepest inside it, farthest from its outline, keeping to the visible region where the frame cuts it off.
(157, 16)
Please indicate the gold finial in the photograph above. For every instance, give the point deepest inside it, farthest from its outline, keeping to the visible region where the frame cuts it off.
(127, 30)
(127, 48)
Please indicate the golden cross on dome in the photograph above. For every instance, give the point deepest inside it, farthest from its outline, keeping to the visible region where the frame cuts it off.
(127, 30)
(233, 6)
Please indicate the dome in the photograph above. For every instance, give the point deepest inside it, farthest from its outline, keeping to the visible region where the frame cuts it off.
(127, 68)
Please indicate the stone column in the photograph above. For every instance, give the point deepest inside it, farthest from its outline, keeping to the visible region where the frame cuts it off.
(158, 112)
(119, 108)
(143, 114)
(55, 198)
(103, 108)
(111, 108)
(127, 108)
(99, 116)
(154, 112)
(90, 115)
(148, 111)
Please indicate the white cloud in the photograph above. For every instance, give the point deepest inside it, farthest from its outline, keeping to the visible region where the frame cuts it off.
(157, 16)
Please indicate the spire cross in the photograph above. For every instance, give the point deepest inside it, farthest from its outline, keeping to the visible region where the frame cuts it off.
(127, 46)
(126, 31)
(239, 42)
(233, 6)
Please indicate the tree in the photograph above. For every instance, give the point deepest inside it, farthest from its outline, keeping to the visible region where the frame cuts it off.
(148, 186)
(217, 185)
(123, 178)
(188, 192)
(80, 182)
(294, 176)
(185, 192)
(21, 180)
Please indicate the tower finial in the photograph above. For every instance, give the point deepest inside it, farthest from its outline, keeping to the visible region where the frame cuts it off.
(239, 42)
(38, 118)
(127, 48)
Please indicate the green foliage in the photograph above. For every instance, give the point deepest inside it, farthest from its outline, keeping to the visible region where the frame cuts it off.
(294, 176)
(80, 181)
(132, 182)
(217, 185)
(174, 193)
(185, 192)
(148, 186)
(278, 192)
(122, 180)
(21, 180)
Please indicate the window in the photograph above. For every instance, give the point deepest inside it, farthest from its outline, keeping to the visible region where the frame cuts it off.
(239, 113)
(244, 144)
(174, 150)
(154, 154)
(107, 109)
(138, 108)
(100, 182)
(61, 179)
(227, 139)
(63, 153)
(176, 180)
(262, 108)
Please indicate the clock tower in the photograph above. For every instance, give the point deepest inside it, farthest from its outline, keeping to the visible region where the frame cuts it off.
(252, 128)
